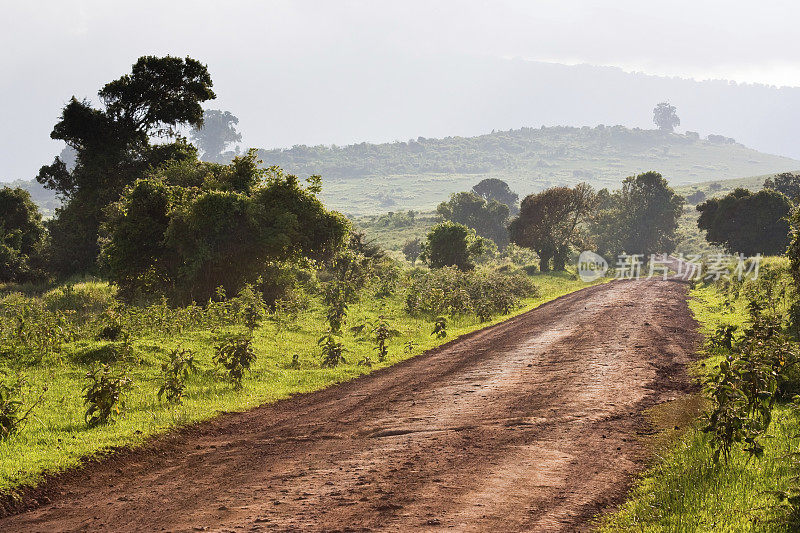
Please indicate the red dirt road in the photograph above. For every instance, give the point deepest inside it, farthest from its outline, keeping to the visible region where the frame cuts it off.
(530, 425)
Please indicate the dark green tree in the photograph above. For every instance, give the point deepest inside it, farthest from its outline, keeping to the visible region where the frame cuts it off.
(488, 219)
(113, 147)
(452, 244)
(641, 218)
(746, 222)
(169, 235)
(550, 222)
(787, 183)
(665, 116)
(411, 250)
(216, 134)
(498, 190)
(22, 236)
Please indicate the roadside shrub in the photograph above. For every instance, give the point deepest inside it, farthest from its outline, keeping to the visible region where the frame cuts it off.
(451, 291)
(103, 395)
(440, 327)
(12, 416)
(332, 350)
(235, 355)
(174, 373)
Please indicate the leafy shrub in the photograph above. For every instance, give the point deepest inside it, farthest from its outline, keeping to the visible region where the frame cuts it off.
(12, 417)
(332, 350)
(174, 373)
(103, 395)
(440, 327)
(111, 326)
(235, 355)
(85, 298)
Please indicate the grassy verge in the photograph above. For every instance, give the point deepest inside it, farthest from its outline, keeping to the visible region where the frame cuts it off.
(686, 490)
(57, 438)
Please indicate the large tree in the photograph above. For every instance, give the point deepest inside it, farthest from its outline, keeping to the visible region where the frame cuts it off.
(488, 219)
(498, 190)
(191, 227)
(641, 218)
(452, 244)
(216, 134)
(665, 116)
(113, 147)
(746, 222)
(22, 236)
(787, 183)
(549, 222)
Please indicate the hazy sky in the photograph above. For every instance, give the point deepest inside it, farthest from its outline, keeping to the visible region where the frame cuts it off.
(268, 57)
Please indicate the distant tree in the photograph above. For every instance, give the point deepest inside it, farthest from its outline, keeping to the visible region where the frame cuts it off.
(411, 249)
(696, 197)
(452, 244)
(665, 116)
(113, 147)
(746, 222)
(488, 219)
(216, 134)
(167, 235)
(787, 183)
(549, 222)
(498, 190)
(641, 218)
(22, 236)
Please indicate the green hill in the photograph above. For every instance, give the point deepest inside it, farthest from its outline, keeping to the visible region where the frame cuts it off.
(418, 174)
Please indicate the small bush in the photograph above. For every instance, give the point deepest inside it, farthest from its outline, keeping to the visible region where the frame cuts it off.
(103, 395)
(235, 355)
(174, 373)
(12, 417)
(332, 350)
(440, 327)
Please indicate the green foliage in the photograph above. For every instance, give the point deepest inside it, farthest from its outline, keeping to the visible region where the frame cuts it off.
(452, 244)
(666, 117)
(641, 218)
(22, 237)
(174, 372)
(184, 242)
(493, 189)
(103, 395)
(487, 218)
(13, 415)
(786, 183)
(550, 223)
(411, 249)
(113, 147)
(747, 223)
(235, 355)
(332, 350)
(440, 327)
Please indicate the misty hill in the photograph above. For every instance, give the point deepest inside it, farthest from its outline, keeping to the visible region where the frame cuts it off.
(418, 174)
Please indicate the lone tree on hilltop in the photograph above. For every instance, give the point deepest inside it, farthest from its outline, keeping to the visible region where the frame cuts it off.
(665, 116)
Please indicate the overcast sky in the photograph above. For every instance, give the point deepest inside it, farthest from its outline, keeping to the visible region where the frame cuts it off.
(265, 55)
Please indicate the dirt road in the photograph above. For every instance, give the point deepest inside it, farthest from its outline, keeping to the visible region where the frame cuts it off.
(530, 425)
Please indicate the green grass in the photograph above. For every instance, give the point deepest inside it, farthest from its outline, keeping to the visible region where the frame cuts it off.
(57, 438)
(686, 490)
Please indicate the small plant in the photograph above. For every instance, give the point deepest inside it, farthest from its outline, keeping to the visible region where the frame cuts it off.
(440, 327)
(382, 333)
(295, 364)
(174, 373)
(12, 417)
(235, 355)
(103, 395)
(111, 328)
(723, 336)
(332, 350)
(410, 346)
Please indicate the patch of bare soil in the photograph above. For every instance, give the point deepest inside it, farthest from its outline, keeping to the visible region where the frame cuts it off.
(530, 425)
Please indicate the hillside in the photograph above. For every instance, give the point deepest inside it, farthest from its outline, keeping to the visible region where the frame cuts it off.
(371, 178)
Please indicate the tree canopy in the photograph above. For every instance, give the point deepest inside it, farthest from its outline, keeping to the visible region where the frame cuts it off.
(498, 190)
(487, 218)
(216, 134)
(746, 222)
(191, 227)
(787, 183)
(113, 147)
(665, 116)
(549, 222)
(22, 236)
(452, 244)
